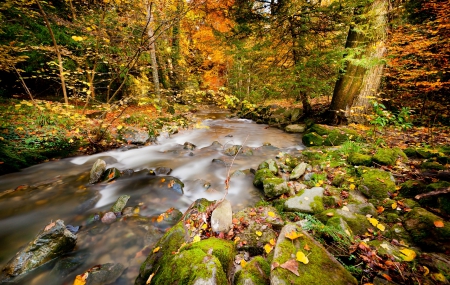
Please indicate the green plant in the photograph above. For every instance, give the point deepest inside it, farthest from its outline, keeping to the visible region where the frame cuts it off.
(350, 147)
(382, 117)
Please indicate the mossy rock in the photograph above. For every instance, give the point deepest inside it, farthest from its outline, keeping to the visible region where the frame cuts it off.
(444, 204)
(224, 250)
(376, 183)
(420, 225)
(432, 165)
(260, 175)
(338, 180)
(321, 130)
(359, 159)
(398, 232)
(422, 153)
(387, 156)
(443, 160)
(410, 152)
(256, 272)
(274, 187)
(445, 149)
(312, 139)
(322, 267)
(357, 223)
(110, 174)
(412, 188)
(269, 164)
(336, 137)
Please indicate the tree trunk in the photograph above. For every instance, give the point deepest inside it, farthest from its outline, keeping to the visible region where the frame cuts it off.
(58, 53)
(359, 84)
(152, 39)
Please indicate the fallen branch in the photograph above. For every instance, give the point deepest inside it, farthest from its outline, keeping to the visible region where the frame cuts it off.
(433, 193)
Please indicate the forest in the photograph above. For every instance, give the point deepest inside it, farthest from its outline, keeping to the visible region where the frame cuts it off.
(365, 82)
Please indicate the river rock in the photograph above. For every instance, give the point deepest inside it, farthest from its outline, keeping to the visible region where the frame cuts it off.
(162, 170)
(297, 128)
(51, 242)
(261, 175)
(120, 204)
(307, 201)
(269, 164)
(274, 187)
(104, 274)
(110, 174)
(221, 217)
(189, 146)
(233, 150)
(322, 267)
(109, 218)
(298, 171)
(97, 171)
(135, 136)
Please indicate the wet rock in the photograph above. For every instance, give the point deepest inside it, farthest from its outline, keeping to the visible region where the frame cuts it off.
(261, 175)
(135, 136)
(221, 217)
(109, 218)
(274, 187)
(68, 264)
(189, 146)
(89, 203)
(110, 174)
(307, 201)
(322, 267)
(233, 150)
(298, 171)
(298, 128)
(120, 204)
(420, 225)
(104, 274)
(163, 170)
(269, 164)
(97, 171)
(257, 271)
(376, 183)
(436, 262)
(53, 241)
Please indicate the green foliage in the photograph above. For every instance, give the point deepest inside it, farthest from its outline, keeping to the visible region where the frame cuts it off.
(382, 117)
(349, 147)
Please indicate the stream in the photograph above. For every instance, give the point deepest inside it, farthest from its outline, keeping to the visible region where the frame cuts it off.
(60, 190)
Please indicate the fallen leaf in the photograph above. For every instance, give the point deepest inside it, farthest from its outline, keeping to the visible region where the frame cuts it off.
(160, 218)
(243, 263)
(272, 241)
(196, 239)
(330, 214)
(306, 247)
(81, 279)
(293, 235)
(352, 187)
(302, 257)
(385, 246)
(156, 249)
(345, 208)
(271, 214)
(387, 277)
(381, 227)
(204, 227)
(149, 280)
(439, 224)
(291, 265)
(348, 232)
(274, 265)
(439, 277)
(408, 254)
(427, 271)
(373, 221)
(49, 226)
(268, 248)
(380, 209)
(394, 205)
(258, 233)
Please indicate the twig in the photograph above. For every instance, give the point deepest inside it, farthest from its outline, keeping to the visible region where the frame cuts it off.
(433, 193)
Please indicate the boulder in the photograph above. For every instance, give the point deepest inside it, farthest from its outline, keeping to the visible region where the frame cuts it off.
(120, 204)
(274, 187)
(307, 201)
(135, 136)
(321, 267)
(376, 183)
(110, 174)
(233, 150)
(222, 217)
(355, 158)
(297, 128)
(97, 171)
(298, 171)
(260, 175)
(104, 273)
(189, 146)
(257, 271)
(312, 139)
(269, 164)
(388, 156)
(51, 242)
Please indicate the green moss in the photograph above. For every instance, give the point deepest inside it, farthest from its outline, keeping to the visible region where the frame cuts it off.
(269, 164)
(312, 139)
(317, 205)
(411, 188)
(336, 137)
(274, 187)
(424, 153)
(224, 250)
(321, 130)
(260, 175)
(329, 201)
(391, 217)
(376, 183)
(410, 152)
(338, 180)
(443, 160)
(386, 156)
(432, 165)
(359, 159)
(257, 270)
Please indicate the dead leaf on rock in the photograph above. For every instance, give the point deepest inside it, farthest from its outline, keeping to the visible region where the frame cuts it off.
(274, 265)
(439, 224)
(49, 226)
(291, 265)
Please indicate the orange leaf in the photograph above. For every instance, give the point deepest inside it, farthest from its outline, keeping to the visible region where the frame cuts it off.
(306, 247)
(293, 235)
(387, 277)
(439, 224)
(380, 209)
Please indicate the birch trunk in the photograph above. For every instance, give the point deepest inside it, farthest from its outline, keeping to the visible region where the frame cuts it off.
(151, 38)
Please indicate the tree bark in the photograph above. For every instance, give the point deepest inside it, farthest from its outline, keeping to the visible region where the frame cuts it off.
(58, 53)
(152, 39)
(360, 82)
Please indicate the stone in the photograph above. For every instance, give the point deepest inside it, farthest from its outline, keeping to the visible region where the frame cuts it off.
(298, 171)
(376, 183)
(312, 139)
(162, 170)
(134, 135)
(120, 204)
(110, 174)
(260, 175)
(108, 218)
(297, 128)
(189, 146)
(104, 274)
(269, 164)
(307, 201)
(388, 156)
(222, 217)
(51, 242)
(97, 171)
(411, 188)
(432, 165)
(358, 223)
(274, 187)
(359, 159)
(322, 267)
(257, 271)
(233, 150)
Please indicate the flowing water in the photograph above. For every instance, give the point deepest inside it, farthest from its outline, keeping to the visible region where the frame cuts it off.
(60, 190)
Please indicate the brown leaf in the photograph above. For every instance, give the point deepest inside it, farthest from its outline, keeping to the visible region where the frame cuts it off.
(49, 226)
(306, 247)
(291, 265)
(274, 265)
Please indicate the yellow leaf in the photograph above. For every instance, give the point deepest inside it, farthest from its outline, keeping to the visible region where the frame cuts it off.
(351, 179)
(381, 227)
(373, 221)
(205, 226)
(268, 248)
(293, 235)
(272, 241)
(302, 257)
(258, 233)
(196, 239)
(427, 271)
(271, 214)
(156, 249)
(408, 254)
(81, 279)
(149, 280)
(119, 127)
(160, 218)
(439, 277)
(394, 205)
(243, 263)
(352, 186)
